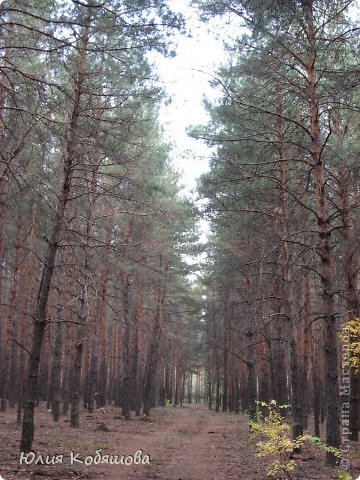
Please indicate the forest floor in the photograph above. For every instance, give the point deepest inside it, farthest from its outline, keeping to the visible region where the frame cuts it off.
(184, 443)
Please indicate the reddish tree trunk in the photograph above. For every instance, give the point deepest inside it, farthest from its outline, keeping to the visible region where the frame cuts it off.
(324, 245)
(31, 385)
(151, 364)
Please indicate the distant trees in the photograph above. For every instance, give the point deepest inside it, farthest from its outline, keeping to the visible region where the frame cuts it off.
(286, 135)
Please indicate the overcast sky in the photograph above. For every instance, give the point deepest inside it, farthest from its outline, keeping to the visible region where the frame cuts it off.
(186, 78)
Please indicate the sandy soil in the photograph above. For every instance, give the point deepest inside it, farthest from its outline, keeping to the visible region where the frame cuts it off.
(189, 443)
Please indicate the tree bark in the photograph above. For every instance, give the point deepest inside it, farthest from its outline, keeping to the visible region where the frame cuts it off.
(324, 245)
(287, 280)
(10, 325)
(151, 364)
(126, 376)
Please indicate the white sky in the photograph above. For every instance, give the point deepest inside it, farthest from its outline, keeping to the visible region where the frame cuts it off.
(186, 78)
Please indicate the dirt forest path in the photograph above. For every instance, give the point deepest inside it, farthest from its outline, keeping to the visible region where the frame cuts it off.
(190, 448)
(184, 443)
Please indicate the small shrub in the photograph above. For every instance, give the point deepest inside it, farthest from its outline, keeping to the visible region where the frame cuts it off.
(276, 442)
(343, 475)
(276, 439)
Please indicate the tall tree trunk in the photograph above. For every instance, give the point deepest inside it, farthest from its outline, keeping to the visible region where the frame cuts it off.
(80, 341)
(101, 309)
(5, 88)
(10, 324)
(93, 372)
(351, 264)
(126, 378)
(30, 270)
(316, 377)
(324, 245)
(65, 393)
(213, 344)
(56, 366)
(209, 391)
(153, 353)
(250, 392)
(307, 339)
(31, 384)
(76, 371)
(250, 335)
(227, 314)
(135, 358)
(97, 320)
(287, 280)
